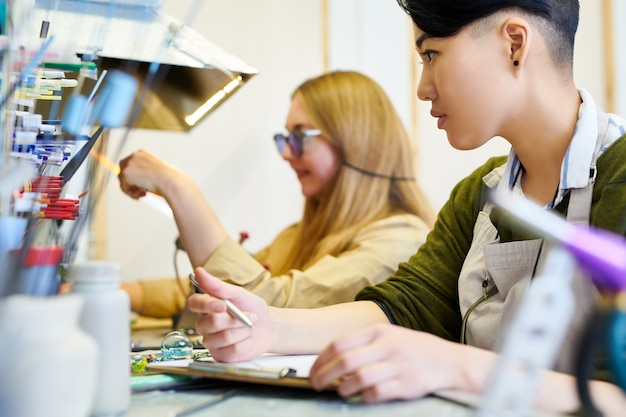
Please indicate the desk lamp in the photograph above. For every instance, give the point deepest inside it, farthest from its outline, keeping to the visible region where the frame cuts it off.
(194, 78)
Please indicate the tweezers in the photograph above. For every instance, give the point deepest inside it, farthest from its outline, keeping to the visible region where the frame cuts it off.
(72, 166)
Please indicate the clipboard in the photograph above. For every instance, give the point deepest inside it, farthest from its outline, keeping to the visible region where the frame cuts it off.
(239, 372)
(285, 381)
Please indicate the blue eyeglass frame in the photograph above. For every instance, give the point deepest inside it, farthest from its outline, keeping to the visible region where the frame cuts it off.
(295, 139)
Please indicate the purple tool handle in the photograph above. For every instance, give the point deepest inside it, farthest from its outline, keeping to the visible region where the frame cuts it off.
(602, 254)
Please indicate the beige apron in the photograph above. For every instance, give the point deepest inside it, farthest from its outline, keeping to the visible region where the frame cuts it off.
(496, 275)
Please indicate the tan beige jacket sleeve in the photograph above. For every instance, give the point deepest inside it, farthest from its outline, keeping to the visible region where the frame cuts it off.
(163, 297)
(373, 256)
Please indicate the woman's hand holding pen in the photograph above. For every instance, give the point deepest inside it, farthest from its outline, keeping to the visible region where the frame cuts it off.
(226, 337)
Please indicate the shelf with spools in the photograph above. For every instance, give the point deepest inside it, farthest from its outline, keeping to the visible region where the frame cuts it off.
(54, 127)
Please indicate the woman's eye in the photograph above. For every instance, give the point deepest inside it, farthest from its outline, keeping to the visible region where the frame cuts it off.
(428, 55)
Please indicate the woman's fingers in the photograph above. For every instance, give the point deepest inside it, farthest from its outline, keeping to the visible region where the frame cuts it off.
(215, 286)
(339, 352)
(385, 362)
(227, 337)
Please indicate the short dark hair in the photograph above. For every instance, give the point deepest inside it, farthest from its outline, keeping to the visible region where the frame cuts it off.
(444, 18)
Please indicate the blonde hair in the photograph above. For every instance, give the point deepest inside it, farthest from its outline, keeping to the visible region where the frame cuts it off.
(356, 116)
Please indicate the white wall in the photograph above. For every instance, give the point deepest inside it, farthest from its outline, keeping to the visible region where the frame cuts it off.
(231, 154)
(619, 54)
(374, 37)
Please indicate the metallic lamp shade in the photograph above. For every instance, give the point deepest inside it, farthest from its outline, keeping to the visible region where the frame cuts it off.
(182, 76)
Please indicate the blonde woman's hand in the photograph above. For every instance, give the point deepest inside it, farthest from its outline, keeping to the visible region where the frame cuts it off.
(226, 337)
(142, 171)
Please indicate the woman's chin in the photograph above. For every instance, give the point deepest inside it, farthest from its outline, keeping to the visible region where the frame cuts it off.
(308, 191)
(307, 194)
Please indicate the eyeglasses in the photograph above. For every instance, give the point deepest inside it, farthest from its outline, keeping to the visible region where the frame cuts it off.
(295, 139)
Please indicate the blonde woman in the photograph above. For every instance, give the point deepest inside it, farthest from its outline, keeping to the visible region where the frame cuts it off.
(363, 214)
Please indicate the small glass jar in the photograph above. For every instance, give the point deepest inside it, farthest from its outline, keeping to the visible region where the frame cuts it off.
(176, 345)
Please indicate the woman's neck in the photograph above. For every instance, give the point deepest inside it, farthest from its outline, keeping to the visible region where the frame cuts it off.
(541, 145)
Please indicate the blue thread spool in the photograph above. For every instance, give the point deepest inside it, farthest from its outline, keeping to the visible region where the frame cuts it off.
(116, 99)
(75, 114)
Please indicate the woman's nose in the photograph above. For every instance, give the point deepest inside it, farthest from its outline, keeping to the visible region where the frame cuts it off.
(426, 88)
(286, 152)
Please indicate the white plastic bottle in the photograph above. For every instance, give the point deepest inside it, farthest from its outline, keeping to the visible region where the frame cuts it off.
(106, 317)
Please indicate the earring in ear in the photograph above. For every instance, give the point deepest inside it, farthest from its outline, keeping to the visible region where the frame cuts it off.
(516, 62)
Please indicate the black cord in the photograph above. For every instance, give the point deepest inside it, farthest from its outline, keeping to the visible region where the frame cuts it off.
(178, 247)
(588, 347)
(376, 174)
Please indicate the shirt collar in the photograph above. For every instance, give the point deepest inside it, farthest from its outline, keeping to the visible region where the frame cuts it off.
(580, 153)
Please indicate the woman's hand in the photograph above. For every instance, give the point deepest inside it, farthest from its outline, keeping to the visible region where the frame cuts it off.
(142, 172)
(386, 362)
(199, 229)
(227, 338)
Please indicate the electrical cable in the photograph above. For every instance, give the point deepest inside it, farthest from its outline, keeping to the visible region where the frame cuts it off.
(606, 327)
(178, 278)
(376, 174)
(588, 348)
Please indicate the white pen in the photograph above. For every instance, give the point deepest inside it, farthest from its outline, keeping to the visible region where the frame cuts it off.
(232, 309)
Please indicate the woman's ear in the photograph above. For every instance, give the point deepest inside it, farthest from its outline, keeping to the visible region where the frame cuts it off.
(518, 34)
